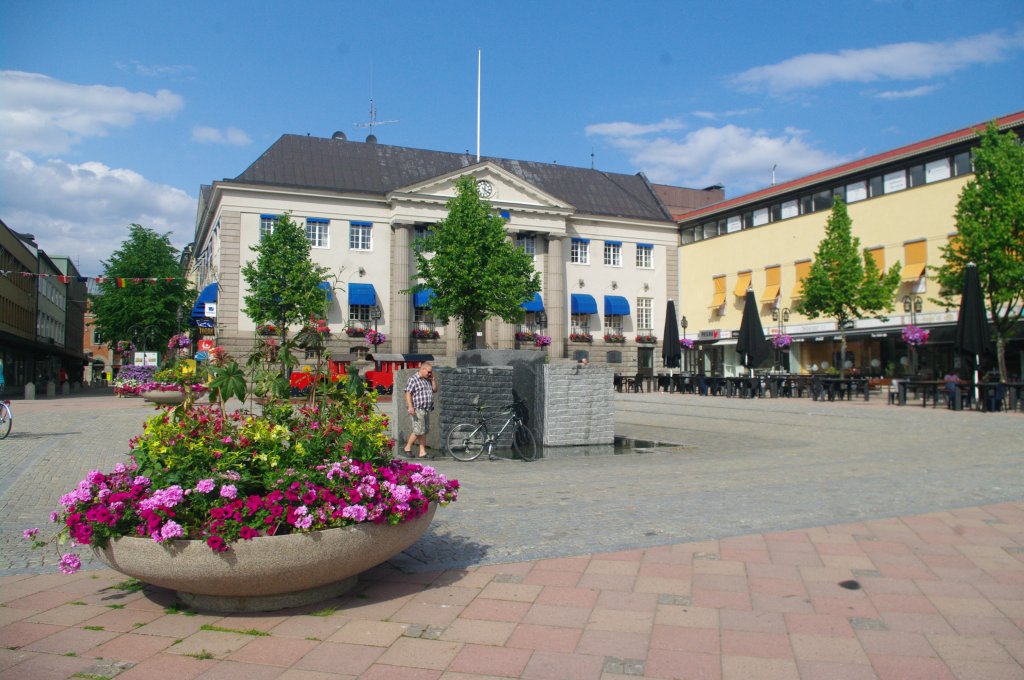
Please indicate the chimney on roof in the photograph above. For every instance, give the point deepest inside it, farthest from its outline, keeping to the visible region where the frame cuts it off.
(714, 187)
(339, 135)
(371, 139)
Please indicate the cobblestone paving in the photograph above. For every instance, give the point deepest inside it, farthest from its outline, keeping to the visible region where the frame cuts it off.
(725, 467)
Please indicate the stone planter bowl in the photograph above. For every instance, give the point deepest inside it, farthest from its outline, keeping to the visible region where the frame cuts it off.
(265, 573)
(160, 397)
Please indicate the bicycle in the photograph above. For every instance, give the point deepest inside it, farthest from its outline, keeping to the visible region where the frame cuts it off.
(467, 441)
(6, 418)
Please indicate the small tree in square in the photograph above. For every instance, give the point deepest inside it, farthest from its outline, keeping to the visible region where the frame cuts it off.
(990, 233)
(283, 281)
(844, 282)
(475, 272)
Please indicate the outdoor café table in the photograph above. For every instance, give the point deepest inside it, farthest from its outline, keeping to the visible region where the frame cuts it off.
(743, 386)
(833, 387)
(924, 388)
(716, 385)
(780, 384)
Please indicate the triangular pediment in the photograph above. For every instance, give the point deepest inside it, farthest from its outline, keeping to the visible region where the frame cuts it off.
(506, 189)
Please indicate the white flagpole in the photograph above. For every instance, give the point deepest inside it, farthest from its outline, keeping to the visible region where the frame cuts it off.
(479, 63)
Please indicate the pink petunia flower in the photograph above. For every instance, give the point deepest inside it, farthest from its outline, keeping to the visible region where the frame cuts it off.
(70, 563)
(228, 491)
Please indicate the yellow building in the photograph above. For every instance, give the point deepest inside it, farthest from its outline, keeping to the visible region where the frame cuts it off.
(902, 204)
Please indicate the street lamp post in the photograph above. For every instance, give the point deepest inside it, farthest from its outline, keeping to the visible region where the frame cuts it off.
(542, 320)
(782, 317)
(375, 314)
(684, 324)
(912, 305)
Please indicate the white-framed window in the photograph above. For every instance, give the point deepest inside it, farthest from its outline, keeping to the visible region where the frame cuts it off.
(579, 252)
(360, 236)
(423, 315)
(580, 323)
(613, 253)
(317, 232)
(527, 243)
(359, 313)
(644, 256)
(937, 170)
(645, 314)
(894, 181)
(613, 323)
(858, 191)
(267, 225)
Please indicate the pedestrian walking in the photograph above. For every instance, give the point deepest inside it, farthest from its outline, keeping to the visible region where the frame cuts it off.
(419, 401)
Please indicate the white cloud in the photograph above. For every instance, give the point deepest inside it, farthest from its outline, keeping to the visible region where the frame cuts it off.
(173, 71)
(738, 157)
(898, 61)
(231, 135)
(84, 210)
(624, 129)
(907, 94)
(43, 115)
(711, 115)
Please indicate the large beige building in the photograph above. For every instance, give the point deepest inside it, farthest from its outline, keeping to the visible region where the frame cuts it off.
(902, 204)
(605, 244)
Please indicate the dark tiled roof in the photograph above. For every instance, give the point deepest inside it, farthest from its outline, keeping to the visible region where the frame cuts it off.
(358, 167)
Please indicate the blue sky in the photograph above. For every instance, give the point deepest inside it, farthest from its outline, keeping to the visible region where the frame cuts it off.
(115, 112)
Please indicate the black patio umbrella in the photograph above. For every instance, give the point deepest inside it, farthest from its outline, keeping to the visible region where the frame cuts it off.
(753, 348)
(973, 339)
(671, 353)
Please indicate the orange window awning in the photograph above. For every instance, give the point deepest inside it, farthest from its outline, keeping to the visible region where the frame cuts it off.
(802, 270)
(915, 257)
(742, 283)
(878, 255)
(719, 298)
(772, 277)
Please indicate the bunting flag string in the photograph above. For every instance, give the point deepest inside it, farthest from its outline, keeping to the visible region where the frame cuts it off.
(120, 282)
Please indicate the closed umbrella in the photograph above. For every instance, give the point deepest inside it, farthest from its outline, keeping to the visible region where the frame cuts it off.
(751, 345)
(973, 339)
(671, 353)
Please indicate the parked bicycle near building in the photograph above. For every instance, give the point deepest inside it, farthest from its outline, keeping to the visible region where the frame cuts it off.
(467, 441)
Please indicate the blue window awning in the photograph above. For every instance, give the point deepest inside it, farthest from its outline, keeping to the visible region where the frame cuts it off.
(421, 298)
(327, 288)
(616, 305)
(534, 305)
(362, 294)
(613, 243)
(644, 245)
(209, 294)
(583, 304)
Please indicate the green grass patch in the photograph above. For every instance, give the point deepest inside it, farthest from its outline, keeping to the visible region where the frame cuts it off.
(177, 608)
(201, 655)
(76, 602)
(132, 585)
(222, 629)
(71, 654)
(93, 627)
(90, 676)
(324, 612)
(115, 606)
(138, 625)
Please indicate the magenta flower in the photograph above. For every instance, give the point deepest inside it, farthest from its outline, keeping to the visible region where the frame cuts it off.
(69, 563)
(30, 533)
(228, 491)
(171, 530)
(205, 485)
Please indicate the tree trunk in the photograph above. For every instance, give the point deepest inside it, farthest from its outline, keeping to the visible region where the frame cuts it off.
(842, 352)
(1001, 357)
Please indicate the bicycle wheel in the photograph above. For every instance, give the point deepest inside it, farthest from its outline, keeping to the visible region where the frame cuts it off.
(5, 420)
(465, 442)
(524, 443)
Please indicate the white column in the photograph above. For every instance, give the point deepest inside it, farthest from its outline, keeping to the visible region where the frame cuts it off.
(555, 300)
(400, 280)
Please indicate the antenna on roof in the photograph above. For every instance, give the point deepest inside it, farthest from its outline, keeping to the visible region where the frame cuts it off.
(774, 165)
(591, 158)
(373, 111)
(373, 119)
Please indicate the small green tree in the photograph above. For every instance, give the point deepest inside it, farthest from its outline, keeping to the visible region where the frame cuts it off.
(990, 233)
(844, 282)
(143, 312)
(283, 281)
(475, 272)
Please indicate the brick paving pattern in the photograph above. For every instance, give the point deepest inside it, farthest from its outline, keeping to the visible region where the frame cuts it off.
(802, 578)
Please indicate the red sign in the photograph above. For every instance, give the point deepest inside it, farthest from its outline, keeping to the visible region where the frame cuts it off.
(205, 344)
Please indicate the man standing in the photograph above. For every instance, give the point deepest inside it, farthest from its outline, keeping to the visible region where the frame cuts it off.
(419, 401)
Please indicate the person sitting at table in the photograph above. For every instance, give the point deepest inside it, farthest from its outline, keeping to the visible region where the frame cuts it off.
(952, 380)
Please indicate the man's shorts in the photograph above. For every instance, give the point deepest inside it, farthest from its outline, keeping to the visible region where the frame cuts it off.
(421, 422)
